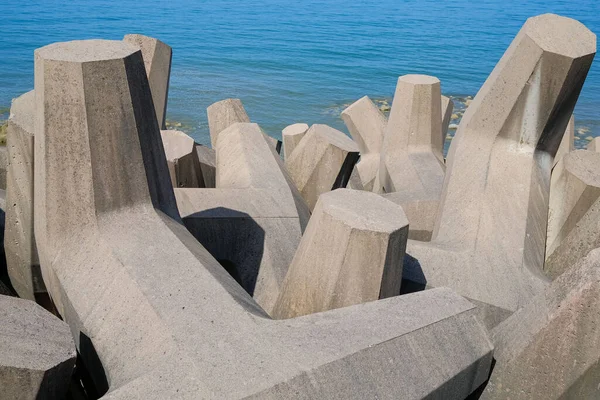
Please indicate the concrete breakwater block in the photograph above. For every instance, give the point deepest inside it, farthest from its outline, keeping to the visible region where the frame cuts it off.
(252, 222)
(157, 62)
(489, 238)
(164, 320)
(574, 214)
(351, 252)
(366, 124)
(319, 159)
(19, 244)
(37, 352)
(182, 158)
(550, 349)
(291, 136)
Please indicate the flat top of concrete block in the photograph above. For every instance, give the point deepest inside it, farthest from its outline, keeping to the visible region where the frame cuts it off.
(295, 129)
(176, 143)
(31, 337)
(234, 102)
(585, 165)
(138, 38)
(561, 35)
(335, 137)
(22, 111)
(419, 79)
(363, 210)
(86, 50)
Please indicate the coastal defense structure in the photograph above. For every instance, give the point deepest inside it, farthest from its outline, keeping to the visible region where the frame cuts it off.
(366, 124)
(184, 271)
(253, 221)
(320, 162)
(490, 233)
(37, 353)
(161, 315)
(574, 212)
(361, 238)
(157, 61)
(537, 355)
(19, 241)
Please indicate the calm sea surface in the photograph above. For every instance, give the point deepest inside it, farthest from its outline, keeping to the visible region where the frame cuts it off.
(294, 61)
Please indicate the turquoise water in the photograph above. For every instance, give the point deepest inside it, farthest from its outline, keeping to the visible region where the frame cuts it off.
(294, 61)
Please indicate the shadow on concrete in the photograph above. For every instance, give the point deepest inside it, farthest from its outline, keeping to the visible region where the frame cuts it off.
(234, 239)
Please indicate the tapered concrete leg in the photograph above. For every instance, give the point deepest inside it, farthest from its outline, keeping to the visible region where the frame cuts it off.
(157, 61)
(574, 216)
(160, 315)
(490, 231)
(207, 158)
(594, 145)
(291, 136)
(19, 242)
(550, 349)
(567, 143)
(184, 166)
(318, 159)
(37, 353)
(447, 109)
(254, 221)
(351, 253)
(366, 125)
(412, 162)
(223, 114)
(574, 188)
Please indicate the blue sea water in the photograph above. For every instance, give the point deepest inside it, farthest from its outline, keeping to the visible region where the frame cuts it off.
(294, 61)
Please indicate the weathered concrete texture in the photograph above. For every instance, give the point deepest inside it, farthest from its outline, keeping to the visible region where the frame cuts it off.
(19, 241)
(412, 163)
(160, 314)
(317, 161)
(182, 158)
(207, 158)
(550, 349)
(578, 191)
(3, 166)
(447, 109)
(351, 253)
(291, 136)
(567, 144)
(594, 145)
(574, 188)
(252, 223)
(490, 231)
(366, 124)
(157, 61)
(223, 114)
(37, 353)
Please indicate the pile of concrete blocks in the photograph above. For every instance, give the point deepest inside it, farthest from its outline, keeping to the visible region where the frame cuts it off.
(345, 268)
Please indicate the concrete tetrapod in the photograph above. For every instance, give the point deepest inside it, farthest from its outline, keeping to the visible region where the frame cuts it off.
(574, 216)
(567, 144)
(159, 313)
(447, 109)
(366, 124)
(37, 353)
(207, 158)
(157, 61)
(412, 167)
(224, 113)
(323, 156)
(182, 158)
(550, 349)
(291, 136)
(594, 145)
(489, 239)
(19, 242)
(253, 221)
(351, 253)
